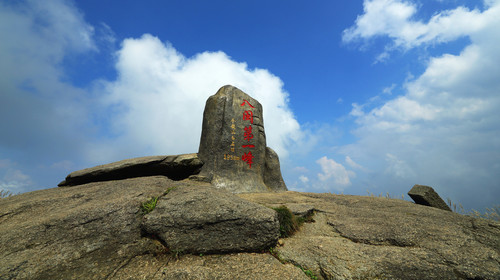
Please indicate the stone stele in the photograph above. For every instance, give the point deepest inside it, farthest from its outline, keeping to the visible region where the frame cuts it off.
(233, 145)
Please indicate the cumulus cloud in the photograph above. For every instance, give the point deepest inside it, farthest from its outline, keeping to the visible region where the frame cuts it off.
(11, 178)
(352, 163)
(154, 106)
(303, 179)
(47, 118)
(334, 173)
(443, 130)
(158, 99)
(396, 19)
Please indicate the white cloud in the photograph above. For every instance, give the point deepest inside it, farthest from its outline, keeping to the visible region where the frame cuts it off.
(154, 106)
(303, 179)
(11, 178)
(334, 173)
(48, 117)
(396, 19)
(160, 95)
(353, 164)
(444, 130)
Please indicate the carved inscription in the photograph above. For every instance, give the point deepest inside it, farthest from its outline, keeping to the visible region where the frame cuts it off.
(248, 137)
(247, 133)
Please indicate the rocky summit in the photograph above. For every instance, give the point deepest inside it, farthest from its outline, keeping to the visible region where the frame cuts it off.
(225, 213)
(99, 231)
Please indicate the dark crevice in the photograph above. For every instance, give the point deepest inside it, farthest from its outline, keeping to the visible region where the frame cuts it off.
(173, 171)
(146, 234)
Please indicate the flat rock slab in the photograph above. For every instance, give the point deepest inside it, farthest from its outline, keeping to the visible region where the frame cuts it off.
(425, 195)
(203, 219)
(175, 167)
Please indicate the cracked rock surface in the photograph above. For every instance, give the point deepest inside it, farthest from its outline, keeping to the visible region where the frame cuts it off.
(358, 237)
(203, 219)
(93, 231)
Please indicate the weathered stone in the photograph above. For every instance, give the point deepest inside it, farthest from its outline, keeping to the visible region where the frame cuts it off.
(233, 145)
(175, 167)
(241, 266)
(203, 219)
(93, 231)
(425, 195)
(83, 232)
(356, 237)
(272, 172)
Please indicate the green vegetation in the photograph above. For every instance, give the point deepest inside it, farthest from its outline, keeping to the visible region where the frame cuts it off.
(169, 190)
(308, 272)
(277, 255)
(148, 206)
(289, 223)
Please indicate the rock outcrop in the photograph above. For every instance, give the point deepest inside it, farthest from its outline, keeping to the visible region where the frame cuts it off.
(232, 155)
(96, 231)
(176, 167)
(202, 219)
(233, 145)
(425, 195)
(357, 237)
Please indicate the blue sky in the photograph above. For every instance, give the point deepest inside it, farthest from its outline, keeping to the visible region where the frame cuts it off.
(358, 96)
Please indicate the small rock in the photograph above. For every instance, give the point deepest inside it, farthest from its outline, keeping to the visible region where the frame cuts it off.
(425, 195)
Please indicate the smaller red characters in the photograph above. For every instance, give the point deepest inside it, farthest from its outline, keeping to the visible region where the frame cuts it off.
(248, 158)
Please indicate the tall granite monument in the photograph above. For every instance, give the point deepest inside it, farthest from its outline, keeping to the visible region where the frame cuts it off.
(233, 145)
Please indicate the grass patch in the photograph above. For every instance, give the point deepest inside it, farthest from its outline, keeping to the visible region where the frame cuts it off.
(169, 190)
(308, 272)
(289, 223)
(148, 206)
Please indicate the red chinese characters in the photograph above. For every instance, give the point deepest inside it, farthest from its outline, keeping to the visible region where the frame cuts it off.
(247, 134)
(248, 158)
